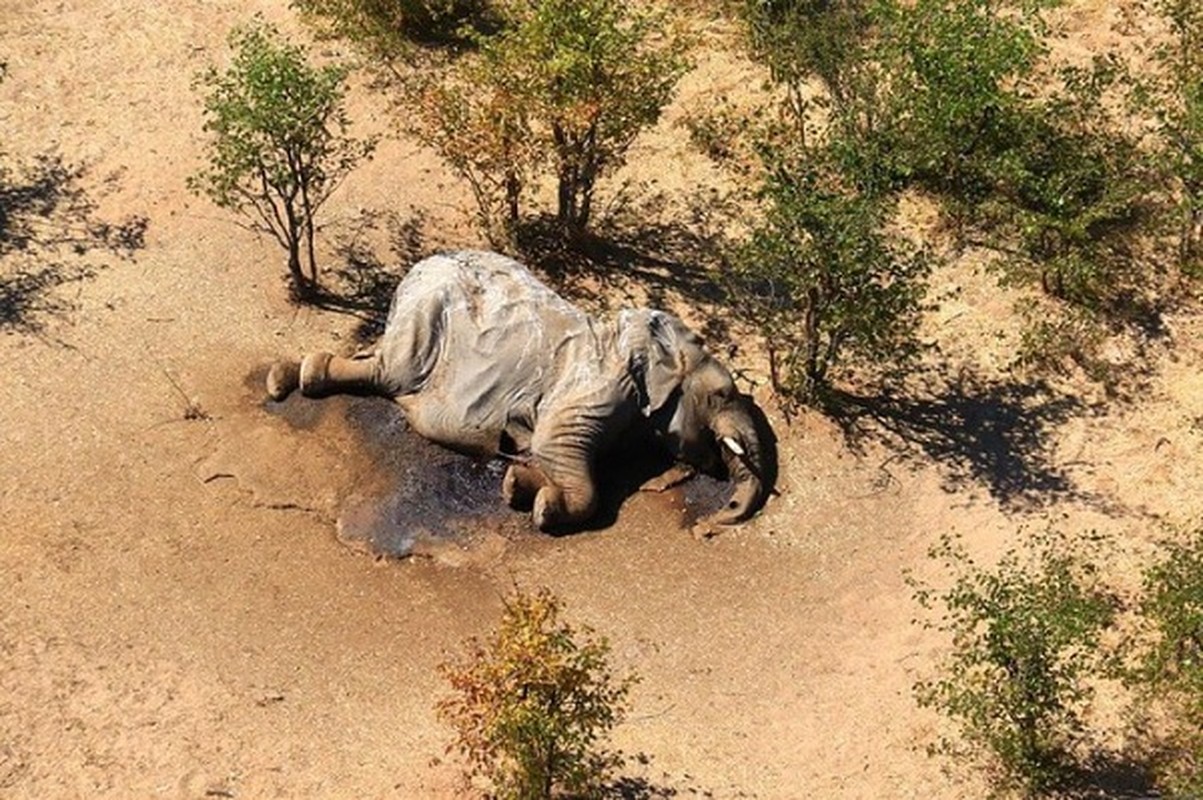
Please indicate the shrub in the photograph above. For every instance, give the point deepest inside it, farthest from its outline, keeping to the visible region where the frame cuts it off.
(1072, 196)
(533, 703)
(1025, 639)
(801, 39)
(474, 119)
(279, 144)
(1169, 676)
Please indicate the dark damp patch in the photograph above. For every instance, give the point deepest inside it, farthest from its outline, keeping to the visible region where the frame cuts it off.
(256, 380)
(430, 494)
(300, 412)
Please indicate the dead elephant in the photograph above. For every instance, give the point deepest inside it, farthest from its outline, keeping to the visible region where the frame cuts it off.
(485, 359)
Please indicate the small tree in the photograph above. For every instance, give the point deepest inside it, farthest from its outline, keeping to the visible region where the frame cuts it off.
(1025, 638)
(279, 144)
(534, 702)
(476, 119)
(822, 282)
(587, 75)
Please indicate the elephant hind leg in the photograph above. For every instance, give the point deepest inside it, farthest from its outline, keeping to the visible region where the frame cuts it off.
(322, 374)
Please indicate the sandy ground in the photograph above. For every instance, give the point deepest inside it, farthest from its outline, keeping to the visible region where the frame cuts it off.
(179, 618)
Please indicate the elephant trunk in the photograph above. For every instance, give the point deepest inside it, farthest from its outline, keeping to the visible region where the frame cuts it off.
(749, 463)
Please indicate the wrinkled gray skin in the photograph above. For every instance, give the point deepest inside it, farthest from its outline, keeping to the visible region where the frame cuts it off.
(485, 359)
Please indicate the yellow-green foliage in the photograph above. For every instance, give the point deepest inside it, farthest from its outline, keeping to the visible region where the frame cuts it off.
(533, 703)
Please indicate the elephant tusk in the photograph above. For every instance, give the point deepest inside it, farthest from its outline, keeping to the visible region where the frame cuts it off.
(733, 446)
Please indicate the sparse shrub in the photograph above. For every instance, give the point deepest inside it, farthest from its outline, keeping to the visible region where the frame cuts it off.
(1025, 640)
(474, 119)
(820, 277)
(534, 702)
(1169, 675)
(801, 39)
(573, 82)
(279, 145)
(1053, 340)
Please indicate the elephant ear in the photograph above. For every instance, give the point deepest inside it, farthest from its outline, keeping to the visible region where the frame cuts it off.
(669, 359)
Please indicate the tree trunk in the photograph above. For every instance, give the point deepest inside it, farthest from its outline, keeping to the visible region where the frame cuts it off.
(301, 286)
(811, 322)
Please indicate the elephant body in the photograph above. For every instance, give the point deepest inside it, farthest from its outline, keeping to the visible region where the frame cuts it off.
(485, 359)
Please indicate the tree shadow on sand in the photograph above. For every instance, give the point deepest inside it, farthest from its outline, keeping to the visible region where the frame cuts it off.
(362, 285)
(48, 223)
(633, 787)
(997, 434)
(1110, 776)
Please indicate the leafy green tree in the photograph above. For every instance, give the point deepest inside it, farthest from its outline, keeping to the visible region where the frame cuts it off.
(1025, 640)
(533, 703)
(567, 83)
(959, 98)
(279, 145)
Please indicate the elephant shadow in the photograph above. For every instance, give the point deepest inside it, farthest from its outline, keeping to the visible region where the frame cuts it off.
(623, 471)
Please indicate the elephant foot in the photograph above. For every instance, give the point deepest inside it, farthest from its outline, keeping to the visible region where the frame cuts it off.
(520, 485)
(315, 374)
(549, 508)
(557, 508)
(283, 379)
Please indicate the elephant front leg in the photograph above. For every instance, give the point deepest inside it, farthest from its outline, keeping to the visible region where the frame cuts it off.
(672, 477)
(567, 493)
(559, 507)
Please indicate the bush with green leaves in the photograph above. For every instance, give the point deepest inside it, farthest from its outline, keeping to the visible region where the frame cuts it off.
(1025, 640)
(568, 85)
(533, 703)
(803, 39)
(278, 144)
(1072, 200)
(961, 100)
(822, 282)
(1168, 677)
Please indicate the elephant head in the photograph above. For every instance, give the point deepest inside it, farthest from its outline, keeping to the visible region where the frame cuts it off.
(696, 409)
